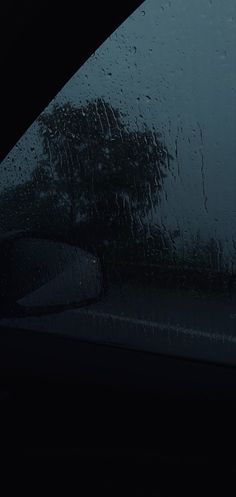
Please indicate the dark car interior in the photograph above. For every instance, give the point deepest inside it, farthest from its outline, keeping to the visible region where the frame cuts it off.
(121, 421)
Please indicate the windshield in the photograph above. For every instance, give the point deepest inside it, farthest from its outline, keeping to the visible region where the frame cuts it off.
(134, 161)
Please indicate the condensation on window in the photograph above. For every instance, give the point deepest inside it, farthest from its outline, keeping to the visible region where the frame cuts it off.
(134, 160)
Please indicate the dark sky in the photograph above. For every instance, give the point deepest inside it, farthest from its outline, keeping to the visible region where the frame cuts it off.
(174, 64)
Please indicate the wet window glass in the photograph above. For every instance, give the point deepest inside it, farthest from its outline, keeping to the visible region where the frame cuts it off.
(118, 205)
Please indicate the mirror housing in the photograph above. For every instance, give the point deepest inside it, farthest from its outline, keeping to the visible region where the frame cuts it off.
(41, 275)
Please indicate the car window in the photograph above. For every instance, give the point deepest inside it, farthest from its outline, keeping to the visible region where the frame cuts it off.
(134, 162)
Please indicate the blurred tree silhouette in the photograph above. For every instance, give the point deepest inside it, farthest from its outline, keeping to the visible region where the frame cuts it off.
(96, 177)
(100, 171)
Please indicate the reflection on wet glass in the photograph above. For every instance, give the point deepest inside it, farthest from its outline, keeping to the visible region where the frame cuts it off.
(134, 160)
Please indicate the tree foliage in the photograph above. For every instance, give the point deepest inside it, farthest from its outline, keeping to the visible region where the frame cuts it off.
(96, 176)
(97, 168)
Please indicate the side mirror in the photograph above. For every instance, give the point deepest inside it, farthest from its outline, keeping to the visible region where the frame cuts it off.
(39, 275)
